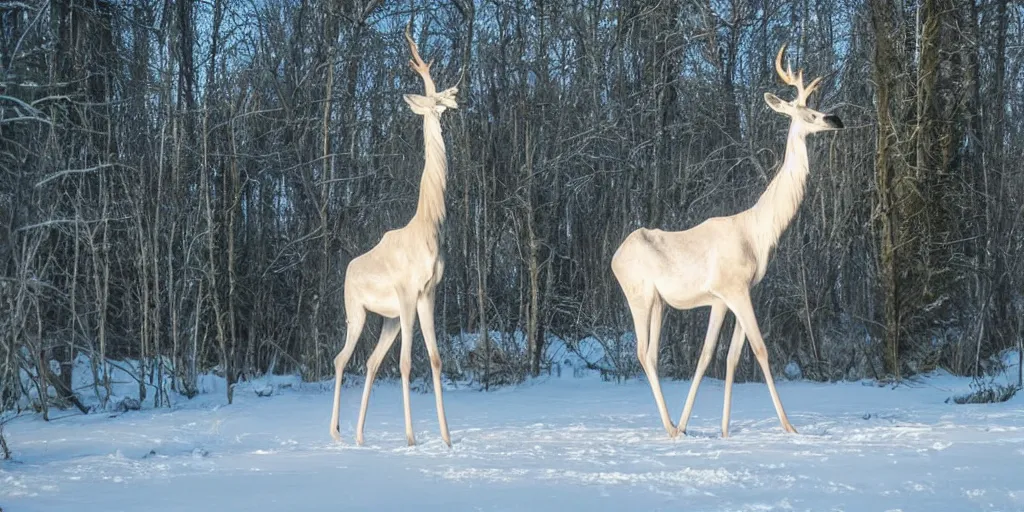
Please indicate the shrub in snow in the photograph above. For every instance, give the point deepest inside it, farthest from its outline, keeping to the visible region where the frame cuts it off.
(507, 364)
(609, 354)
(264, 390)
(5, 453)
(987, 393)
(581, 356)
(792, 371)
(847, 352)
(128, 404)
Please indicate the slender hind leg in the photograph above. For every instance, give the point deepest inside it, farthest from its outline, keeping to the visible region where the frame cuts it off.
(735, 349)
(356, 319)
(426, 315)
(740, 305)
(647, 315)
(388, 331)
(657, 312)
(710, 341)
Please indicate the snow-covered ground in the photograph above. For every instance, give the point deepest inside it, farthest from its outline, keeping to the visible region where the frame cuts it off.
(557, 444)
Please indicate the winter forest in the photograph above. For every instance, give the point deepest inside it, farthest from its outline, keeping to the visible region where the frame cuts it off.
(183, 183)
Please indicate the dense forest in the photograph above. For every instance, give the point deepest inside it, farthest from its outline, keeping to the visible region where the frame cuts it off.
(182, 184)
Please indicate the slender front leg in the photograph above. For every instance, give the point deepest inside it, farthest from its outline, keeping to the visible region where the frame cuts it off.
(407, 319)
(744, 311)
(735, 349)
(388, 332)
(710, 341)
(356, 319)
(426, 315)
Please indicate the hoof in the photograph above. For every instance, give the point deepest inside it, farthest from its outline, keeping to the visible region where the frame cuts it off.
(672, 431)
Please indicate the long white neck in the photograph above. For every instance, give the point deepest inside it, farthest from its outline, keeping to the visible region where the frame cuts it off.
(430, 208)
(779, 203)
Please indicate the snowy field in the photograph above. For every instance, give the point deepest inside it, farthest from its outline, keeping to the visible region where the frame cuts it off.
(556, 444)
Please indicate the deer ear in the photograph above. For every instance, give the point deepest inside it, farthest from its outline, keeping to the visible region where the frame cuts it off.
(775, 103)
(447, 97)
(419, 104)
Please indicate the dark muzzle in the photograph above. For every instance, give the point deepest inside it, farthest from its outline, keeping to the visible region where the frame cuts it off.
(833, 121)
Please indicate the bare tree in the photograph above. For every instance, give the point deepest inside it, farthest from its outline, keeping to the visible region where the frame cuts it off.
(181, 183)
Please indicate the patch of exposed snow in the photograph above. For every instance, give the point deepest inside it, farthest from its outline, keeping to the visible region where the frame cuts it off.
(568, 443)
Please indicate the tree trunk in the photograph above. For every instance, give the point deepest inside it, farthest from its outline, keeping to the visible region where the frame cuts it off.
(883, 71)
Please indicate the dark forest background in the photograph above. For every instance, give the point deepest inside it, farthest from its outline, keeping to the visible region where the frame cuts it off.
(182, 183)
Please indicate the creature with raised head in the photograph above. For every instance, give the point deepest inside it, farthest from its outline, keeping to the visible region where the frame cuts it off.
(397, 279)
(718, 261)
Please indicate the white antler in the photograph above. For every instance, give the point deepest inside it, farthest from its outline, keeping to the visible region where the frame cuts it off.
(417, 64)
(797, 80)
